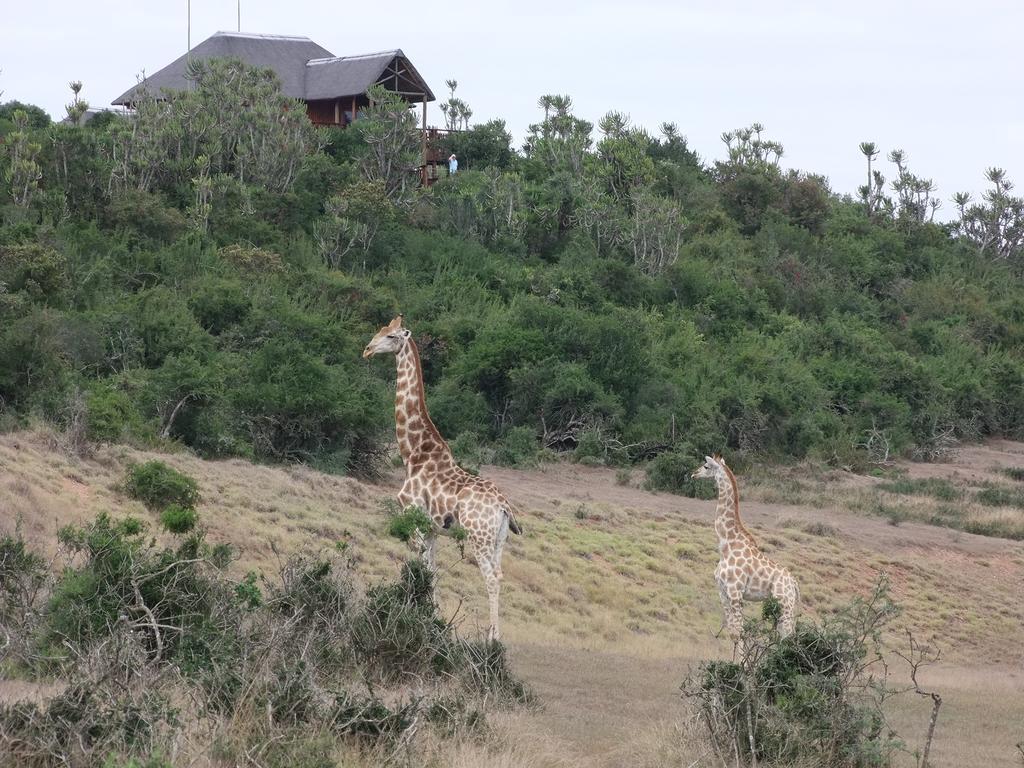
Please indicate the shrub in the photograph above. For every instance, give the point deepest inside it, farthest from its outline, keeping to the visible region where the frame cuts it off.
(158, 486)
(518, 448)
(179, 519)
(671, 471)
(938, 488)
(1000, 497)
(487, 671)
(812, 698)
(169, 597)
(23, 576)
(110, 415)
(133, 627)
(87, 719)
(398, 634)
(1015, 473)
(405, 524)
(146, 213)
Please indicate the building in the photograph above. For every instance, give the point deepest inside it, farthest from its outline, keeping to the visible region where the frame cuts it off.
(333, 87)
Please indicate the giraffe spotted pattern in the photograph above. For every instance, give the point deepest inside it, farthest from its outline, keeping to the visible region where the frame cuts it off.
(433, 481)
(744, 573)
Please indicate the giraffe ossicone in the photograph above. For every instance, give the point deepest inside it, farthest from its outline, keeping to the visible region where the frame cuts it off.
(744, 573)
(433, 481)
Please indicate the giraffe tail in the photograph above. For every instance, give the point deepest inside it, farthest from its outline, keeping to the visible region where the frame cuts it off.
(513, 525)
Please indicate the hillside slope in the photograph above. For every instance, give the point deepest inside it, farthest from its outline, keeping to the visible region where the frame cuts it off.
(609, 594)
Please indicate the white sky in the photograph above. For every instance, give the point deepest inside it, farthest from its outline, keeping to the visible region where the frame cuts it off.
(943, 80)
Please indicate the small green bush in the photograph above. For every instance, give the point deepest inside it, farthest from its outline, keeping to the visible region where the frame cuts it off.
(470, 453)
(811, 698)
(1015, 473)
(936, 487)
(158, 486)
(671, 471)
(404, 525)
(1000, 497)
(589, 446)
(110, 415)
(179, 519)
(399, 634)
(518, 448)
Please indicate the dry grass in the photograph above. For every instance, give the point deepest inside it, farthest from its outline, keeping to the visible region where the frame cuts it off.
(622, 590)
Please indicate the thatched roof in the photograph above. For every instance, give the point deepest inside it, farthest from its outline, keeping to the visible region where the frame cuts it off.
(307, 71)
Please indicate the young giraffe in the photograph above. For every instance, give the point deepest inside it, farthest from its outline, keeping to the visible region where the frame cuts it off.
(744, 572)
(433, 481)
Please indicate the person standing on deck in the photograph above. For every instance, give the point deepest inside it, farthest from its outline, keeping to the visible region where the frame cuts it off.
(453, 164)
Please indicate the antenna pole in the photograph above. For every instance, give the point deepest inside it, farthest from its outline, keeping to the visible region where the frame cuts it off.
(188, 5)
(239, 15)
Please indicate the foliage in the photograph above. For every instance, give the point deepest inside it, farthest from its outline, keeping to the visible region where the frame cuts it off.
(178, 519)
(267, 664)
(23, 577)
(169, 276)
(815, 697)
(405, 524)
(389, 129)
(996, 225)
(234, 121)
(672, 470)
(158, 485)
(485, 145)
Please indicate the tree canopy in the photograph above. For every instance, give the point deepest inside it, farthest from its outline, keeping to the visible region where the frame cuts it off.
(208, 268)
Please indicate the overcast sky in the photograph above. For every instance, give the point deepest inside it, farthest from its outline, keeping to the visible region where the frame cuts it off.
(942, 80)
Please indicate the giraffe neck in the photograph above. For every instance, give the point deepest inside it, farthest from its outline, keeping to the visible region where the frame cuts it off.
(418, 438)
(728, 526)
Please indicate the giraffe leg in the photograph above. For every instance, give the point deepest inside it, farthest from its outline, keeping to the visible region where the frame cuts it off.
(426, 545)
(788, 594)
(499, 544)
(492, 582)
(732, 605)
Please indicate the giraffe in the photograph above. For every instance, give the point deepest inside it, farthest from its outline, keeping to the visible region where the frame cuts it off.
(433, 481)
(744, 572)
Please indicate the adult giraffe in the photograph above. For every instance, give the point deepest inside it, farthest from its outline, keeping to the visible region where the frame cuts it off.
(433, 481)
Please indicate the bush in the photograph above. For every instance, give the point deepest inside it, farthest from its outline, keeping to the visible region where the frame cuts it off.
(86, 720)
(159, 486)
(23, 576)
(1000, 497)
(398, 635)
(404, 525)
(811, 698)
(170, 597)
(930, 486)
(1015, 473)
(110, 415)
(179, 519)
(518, 448)
(296, 661)
(671, 471)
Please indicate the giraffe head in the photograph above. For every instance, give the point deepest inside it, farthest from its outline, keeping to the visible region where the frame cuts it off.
(712, 466)
(389, 339)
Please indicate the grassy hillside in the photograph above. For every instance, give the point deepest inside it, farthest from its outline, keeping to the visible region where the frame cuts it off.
(611, 587)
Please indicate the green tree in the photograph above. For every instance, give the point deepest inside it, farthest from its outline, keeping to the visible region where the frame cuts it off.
(996, 225)
(393, 141)
(22, 173)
